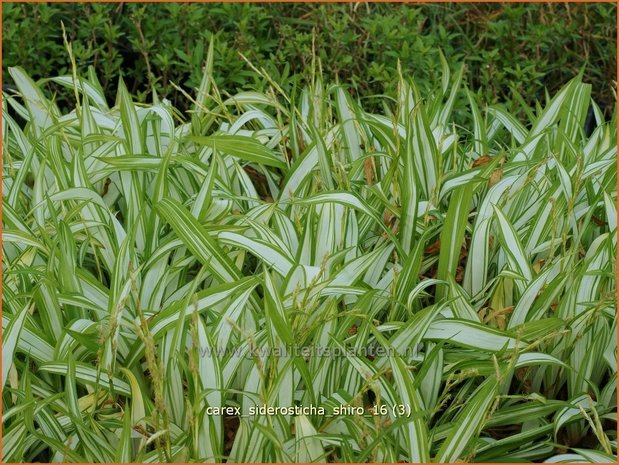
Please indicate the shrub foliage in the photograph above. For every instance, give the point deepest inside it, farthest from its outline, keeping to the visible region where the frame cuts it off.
(507, 47)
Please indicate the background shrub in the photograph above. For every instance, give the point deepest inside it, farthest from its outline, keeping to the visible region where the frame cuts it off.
(507, 47)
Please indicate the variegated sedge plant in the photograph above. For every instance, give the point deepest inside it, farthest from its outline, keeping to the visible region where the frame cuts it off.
(154, 261)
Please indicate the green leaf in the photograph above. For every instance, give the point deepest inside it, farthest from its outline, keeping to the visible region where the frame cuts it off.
(418, 445)
(245, 148)
(10, 337)
(467, 423)
(198, 240)
(86, 374)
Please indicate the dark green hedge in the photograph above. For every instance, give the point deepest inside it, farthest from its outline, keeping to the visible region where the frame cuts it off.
(526, 47)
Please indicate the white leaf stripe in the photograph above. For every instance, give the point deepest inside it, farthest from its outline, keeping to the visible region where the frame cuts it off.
(198, 240)
(467, 423)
